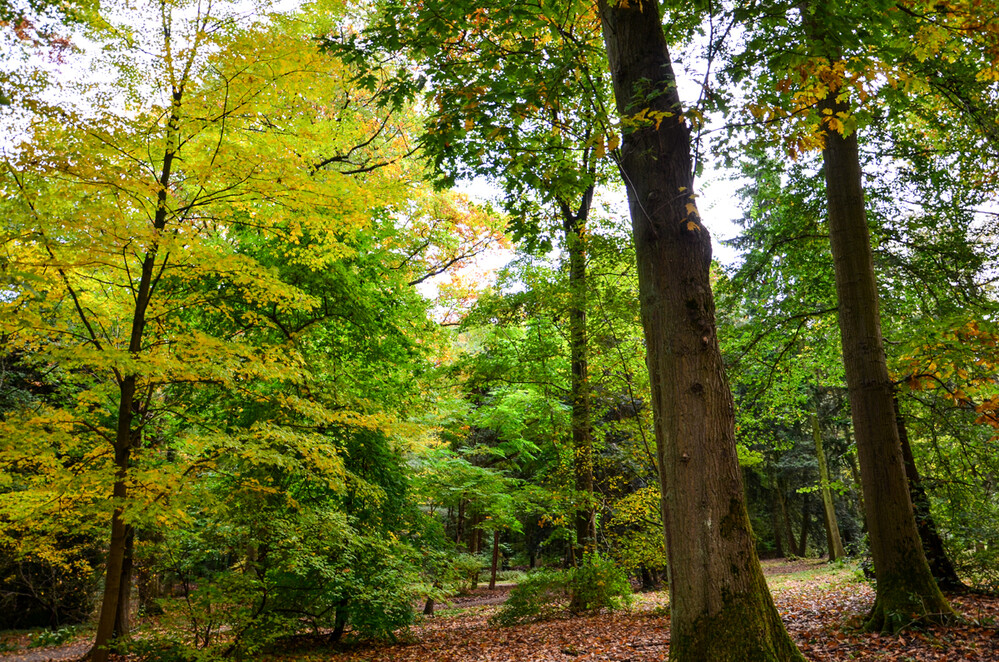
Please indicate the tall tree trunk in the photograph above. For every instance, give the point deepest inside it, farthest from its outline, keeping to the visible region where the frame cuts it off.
(906, 591)
(125, 436)
(833, 540)
(574, 227)
(936, 556)
(806, 517)
(721, 608)
(495, 564)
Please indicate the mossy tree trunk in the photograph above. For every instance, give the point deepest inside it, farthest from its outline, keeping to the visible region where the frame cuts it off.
(721, 608)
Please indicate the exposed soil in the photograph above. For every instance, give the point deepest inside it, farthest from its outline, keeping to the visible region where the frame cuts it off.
(71, 651)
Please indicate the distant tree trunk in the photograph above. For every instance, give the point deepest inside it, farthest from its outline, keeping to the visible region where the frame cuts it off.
(574, 226)
(833, 540)
(775, 519)
(906, 591)
(459, 525)
(785, 516)
(121, 625)
(721, 608)
(150, 591)
(940, 566)
(649, 581)
(806, 515)
(495, 566)
(851, 460)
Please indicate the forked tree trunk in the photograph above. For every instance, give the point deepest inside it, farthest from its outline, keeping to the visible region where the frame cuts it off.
(833, 539)
(906, 591)
(936, 556)
(721, 608)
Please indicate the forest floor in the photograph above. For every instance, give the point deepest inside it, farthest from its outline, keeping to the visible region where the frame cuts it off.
(821, 605)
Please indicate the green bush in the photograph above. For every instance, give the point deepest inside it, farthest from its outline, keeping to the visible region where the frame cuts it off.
(544, 594)
(467, 568)
(598, 584)
(541, 595)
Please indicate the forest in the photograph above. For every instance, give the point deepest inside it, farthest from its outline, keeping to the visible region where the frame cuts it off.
(356, 330)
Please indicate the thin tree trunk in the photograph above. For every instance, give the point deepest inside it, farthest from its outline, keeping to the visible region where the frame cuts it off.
(495, 565)
(833, 540)
(721, 608)
(851, 459)
(574, 226)
(936, 556)
(906, 591)
(806, 516)
(775, 518)
(124, 435)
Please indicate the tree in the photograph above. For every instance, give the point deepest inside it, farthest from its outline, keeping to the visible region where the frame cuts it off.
(721, 609)
(518, 93)
(167, 252)
(825, 82)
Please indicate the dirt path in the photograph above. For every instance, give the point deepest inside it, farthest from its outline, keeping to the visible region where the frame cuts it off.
(73, 651)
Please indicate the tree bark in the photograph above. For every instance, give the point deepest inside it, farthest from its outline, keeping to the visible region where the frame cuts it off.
(833, 539)
(122, 613)
(906, 591)
(721, 608)
(936, 556)
(574, 226)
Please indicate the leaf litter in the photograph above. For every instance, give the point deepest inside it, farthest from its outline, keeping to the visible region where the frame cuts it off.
(822, 608)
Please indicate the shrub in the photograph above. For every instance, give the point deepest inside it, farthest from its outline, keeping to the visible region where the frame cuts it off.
(543, 594)
(598, 584)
